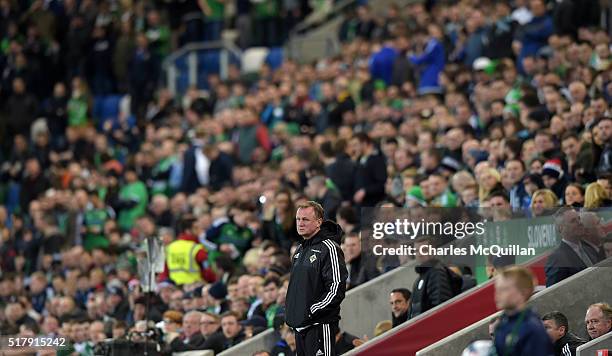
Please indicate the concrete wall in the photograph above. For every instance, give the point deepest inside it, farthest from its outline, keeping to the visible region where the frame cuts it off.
(262, 341)
(367, 304)
(591, 347)
(195, 353)
(571, 296)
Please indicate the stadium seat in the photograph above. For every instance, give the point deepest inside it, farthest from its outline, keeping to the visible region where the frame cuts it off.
(275, 58)
(253, 59)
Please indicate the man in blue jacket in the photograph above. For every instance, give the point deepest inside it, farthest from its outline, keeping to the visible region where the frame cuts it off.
(431, 62)
(534, 35)
(520, 331)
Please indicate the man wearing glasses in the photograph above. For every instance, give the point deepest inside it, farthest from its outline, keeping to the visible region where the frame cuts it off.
(200, 332)
(210, 327)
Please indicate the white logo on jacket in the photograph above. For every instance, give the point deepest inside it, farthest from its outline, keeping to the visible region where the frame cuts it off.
(313, 258)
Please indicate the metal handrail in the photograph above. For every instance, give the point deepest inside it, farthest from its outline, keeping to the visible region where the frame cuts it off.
(198, 46)
(335, 11)
(169, 63)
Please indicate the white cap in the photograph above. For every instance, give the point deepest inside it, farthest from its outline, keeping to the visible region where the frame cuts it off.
(481, 63)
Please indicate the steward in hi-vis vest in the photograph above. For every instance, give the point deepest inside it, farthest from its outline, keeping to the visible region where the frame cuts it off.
(186, 258)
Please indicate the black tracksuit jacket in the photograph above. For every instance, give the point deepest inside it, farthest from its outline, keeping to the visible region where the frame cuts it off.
(566, 346)
(318, 279)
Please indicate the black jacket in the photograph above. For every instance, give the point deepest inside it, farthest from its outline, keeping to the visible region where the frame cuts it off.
(220, 171)
(331, 203)
(432, 288)
(372, 176)
(195, 343)
(235, 340)
(400, 319)
(605, 160)
(562, 263)
(596, 254)
(566, 346)
(362, 269)
(342, 173)
(318, 279)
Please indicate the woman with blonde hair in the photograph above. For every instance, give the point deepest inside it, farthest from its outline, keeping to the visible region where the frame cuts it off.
(596, 196)
(487, 182)
(542, 201)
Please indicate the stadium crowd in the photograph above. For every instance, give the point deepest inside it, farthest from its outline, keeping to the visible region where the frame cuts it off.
(461, 103)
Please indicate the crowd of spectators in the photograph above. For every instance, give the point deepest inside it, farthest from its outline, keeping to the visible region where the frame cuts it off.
(468, 103)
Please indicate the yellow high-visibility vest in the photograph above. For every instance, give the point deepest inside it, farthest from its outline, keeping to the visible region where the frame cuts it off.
(181, 261)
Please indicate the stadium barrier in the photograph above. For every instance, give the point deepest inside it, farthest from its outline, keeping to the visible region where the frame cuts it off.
(591, 284)
(262, 341)
(590, 348)
(195, 353)
(441, 321)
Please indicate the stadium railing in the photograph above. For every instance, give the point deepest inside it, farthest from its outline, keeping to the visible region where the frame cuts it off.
(601, 343)
(191, 64)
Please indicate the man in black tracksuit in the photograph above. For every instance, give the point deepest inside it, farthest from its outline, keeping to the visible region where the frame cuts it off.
(317, 284)
(434, 285)
(557, 327)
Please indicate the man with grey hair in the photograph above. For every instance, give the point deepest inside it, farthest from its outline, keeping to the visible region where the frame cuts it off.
(593, 235)
(570, 257)
(191, 338)
(160, 210)
(598, 320)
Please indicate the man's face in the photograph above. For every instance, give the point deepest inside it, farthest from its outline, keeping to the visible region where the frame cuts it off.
(355, 147)
(499, 203)
(270, 293)
(605, 130)
(191, 325)
(507, 295)
(232, 291)
(240, 306)
(83, 332)
(515, 171)
(307, 222)
(549, 181)
(554, 331)
(208, 325)
(543, 143)
(608, 249)
(96, 331)
(437, 185)
(399, 304)
(176, 300)
(571, 226)
(50, 325)
(596, 322)
(454, 139)
(352, 247)
(570, 147)
(592, 227)
(600, 106)
(230, 326)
